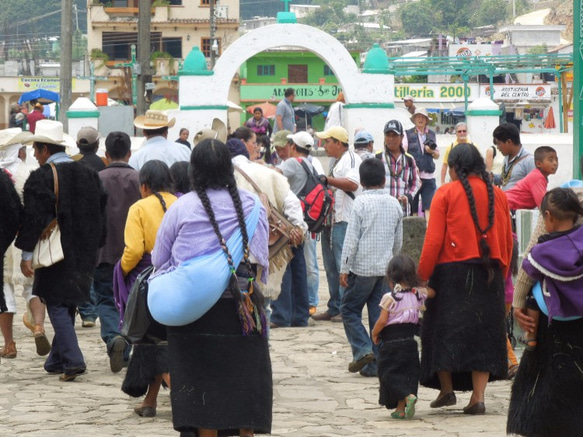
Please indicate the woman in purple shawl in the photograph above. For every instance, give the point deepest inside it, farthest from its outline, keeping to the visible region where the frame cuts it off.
(221, 361)
(546, 396)
(258, 123)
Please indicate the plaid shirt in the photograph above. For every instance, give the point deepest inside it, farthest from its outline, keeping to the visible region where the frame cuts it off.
(374, 234)
(402, 178)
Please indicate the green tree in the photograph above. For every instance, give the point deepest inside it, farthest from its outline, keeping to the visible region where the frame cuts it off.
(417, 18)
(490, 12)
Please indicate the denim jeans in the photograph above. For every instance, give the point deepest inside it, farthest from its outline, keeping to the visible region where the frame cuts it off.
(105, 305)
(332, 242)
(87, 309)
(291, 308)
(361, 291)
(65, 352)
(312, 271)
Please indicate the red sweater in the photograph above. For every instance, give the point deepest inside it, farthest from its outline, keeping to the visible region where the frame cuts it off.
(451, 234)
(528, 193)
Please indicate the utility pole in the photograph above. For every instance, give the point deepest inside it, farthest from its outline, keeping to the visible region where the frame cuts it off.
(577, 87)
(144, 73)
(213, 29)
(66, 61)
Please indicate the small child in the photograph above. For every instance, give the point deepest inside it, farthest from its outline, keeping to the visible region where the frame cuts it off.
(556, 261)
(398, 366)
(528, 192)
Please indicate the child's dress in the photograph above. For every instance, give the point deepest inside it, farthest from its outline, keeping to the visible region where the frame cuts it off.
(398, 363)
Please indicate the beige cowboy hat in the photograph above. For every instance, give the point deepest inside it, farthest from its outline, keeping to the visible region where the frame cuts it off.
(7, 136)
(217, 131)
(153, 120)
(420, 111)
(48, 132)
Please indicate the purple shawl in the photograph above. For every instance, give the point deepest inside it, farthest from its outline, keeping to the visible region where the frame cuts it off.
(186, 232)
(122, 285)
(559, 263)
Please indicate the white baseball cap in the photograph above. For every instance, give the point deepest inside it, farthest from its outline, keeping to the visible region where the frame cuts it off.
(302, 139)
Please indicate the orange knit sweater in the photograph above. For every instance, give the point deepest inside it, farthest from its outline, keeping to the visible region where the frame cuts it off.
(451, 234)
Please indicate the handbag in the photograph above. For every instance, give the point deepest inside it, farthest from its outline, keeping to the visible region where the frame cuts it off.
(279, 226)
(48, 249)
(139, 327)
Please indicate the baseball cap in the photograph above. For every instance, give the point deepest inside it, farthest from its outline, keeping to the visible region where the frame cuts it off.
(394, 126)
(408, 97)
(302, 139)
(39, 106)
(363, 137)
(87, 135)
(336, 132)
(280, 138)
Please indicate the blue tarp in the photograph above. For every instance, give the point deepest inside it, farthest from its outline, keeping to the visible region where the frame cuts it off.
(458, 111)
(39, 94)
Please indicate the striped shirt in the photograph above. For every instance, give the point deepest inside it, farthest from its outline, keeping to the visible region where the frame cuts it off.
(374, 233)
(402, 178)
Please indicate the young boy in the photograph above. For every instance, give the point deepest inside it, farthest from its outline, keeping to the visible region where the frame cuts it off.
(374, 234)
(528, 193)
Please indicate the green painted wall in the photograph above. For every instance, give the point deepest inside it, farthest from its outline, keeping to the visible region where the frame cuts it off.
(281, 60)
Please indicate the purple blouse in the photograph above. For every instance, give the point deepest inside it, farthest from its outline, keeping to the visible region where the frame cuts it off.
(186, 231)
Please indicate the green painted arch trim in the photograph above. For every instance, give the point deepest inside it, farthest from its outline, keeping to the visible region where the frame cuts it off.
(83, 114)
(369, 105)
(203, 107)
(493, 112)
(195, 73)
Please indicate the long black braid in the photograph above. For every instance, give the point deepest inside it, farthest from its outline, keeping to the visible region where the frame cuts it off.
(161, 199)
(467, 159)
(206, 203)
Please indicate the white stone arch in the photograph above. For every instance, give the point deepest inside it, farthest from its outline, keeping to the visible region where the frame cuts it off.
(369, 97)
(280, 35)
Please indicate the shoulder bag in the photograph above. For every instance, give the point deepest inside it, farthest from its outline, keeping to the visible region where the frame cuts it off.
(49, 250)
(279, 226)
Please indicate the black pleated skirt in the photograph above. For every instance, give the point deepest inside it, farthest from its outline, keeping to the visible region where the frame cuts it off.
(547, 394)
(463, 327)
(221, 379)
(398, 364)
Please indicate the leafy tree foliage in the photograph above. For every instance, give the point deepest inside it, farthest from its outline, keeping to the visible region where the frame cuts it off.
(418, 18)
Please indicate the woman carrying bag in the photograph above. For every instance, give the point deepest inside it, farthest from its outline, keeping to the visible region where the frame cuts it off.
(220, 361)
(149, 363)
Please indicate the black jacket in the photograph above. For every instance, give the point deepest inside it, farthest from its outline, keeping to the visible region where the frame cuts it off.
(81, 217)
(10, 214)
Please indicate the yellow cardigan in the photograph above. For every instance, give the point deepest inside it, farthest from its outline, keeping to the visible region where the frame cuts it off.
(144, 218)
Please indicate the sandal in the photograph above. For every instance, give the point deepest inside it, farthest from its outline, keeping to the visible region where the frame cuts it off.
(8, 351)
(400, 415)
(410, 406)
(529, 343)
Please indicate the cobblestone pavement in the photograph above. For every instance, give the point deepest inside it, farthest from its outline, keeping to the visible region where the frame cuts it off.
(315, 395)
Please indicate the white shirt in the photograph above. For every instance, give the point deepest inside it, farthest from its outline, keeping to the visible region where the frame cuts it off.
(346, 167)
(159, 148)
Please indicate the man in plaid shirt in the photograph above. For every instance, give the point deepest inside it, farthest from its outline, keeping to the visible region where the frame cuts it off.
(402, 174)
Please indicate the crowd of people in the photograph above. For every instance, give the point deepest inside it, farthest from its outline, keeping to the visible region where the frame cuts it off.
(166, 206)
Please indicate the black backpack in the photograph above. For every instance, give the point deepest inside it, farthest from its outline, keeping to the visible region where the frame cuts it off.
(317, 200)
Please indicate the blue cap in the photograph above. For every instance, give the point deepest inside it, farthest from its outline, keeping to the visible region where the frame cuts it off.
(363, 137)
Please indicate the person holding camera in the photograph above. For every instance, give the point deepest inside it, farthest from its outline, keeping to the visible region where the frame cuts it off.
(420, 141)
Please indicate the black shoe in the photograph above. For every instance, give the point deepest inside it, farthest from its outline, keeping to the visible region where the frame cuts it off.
(322, 317)
(71, 374)
(477, 408)
(116, 358)
(368, 373)
(358, 365)
(444, 401)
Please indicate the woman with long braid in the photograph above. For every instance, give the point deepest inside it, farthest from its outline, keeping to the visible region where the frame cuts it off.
(220, 363)
(148, 365)
(465, 261)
